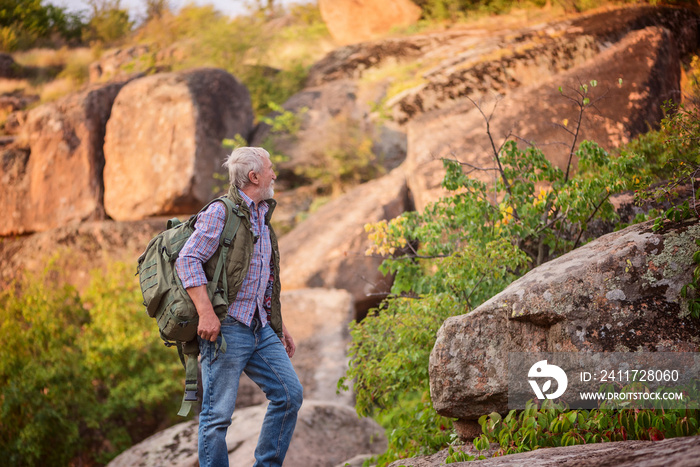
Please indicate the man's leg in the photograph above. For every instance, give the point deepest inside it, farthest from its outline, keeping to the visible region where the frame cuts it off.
(220, 375)
(270, 368)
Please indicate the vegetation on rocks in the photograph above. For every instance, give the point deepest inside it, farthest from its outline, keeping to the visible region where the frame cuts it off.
(468, 246)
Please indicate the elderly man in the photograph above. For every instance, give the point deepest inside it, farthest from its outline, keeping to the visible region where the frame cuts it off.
(257, 339)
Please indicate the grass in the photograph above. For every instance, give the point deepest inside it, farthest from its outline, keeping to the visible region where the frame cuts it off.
(51, 73)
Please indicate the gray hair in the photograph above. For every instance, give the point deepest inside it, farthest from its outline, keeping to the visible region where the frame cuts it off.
(241, 162)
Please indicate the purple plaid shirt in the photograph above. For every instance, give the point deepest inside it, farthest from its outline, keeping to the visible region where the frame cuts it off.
(256, 290)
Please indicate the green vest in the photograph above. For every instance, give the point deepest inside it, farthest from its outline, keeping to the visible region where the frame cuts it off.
(238, 259)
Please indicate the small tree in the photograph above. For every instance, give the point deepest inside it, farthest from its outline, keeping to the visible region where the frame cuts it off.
(109, 22)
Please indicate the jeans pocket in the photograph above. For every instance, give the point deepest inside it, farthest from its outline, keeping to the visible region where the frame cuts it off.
(229, 321)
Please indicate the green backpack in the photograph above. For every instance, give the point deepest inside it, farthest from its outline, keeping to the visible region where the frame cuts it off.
(168, 302)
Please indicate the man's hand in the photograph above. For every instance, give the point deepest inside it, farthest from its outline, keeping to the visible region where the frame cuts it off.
(209, 324)
(288, 342)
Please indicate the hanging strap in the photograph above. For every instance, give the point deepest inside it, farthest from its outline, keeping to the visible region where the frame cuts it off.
(189, 351)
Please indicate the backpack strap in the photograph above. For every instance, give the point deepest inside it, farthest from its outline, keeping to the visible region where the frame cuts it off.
(225, 242)
(188, 351)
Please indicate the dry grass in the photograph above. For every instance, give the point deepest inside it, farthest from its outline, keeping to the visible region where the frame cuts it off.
(51, 73)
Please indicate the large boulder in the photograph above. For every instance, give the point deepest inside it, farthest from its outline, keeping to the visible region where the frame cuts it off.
(646, 60)
(326, 434)
(163, 143)
(328, 248)
(53, 174)
(351, 21)
(621, 292)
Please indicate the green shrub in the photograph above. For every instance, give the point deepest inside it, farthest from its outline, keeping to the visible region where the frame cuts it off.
(109, 22)
(24, 23)
(553, 425)
(89, 367)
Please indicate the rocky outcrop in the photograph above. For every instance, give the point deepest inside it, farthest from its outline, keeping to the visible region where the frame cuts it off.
(351, 21)
(332, 117)
(163, 141)
(675, 452)
(352, 61)
(326, 434)
(328, 248)
(53, 174)
(76, 249)
(118, 63)
(620, 112)
(620, 293)
(501, 63)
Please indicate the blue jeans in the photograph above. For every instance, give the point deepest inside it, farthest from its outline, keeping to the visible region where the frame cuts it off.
(260, 353)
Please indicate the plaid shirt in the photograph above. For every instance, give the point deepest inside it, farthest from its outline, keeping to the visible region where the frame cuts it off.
(256, 290)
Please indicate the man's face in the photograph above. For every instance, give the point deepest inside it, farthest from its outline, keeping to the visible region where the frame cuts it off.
(267, 179)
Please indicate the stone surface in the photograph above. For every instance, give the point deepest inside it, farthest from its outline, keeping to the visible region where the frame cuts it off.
(328, 248)
(620, 292)
(675, 452)
(351, 21)
(163, 142)
(117, 63)
(333, 117)
(620, 112)
(60, 179)
(326, 434)
(76, 249)
(478, 64)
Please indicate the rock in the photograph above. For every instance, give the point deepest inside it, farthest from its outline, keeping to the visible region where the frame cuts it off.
(9, 69)
(15, 101)
(351, 21)
(328, 248)
(318, 321)
(326, 434)
(333, 117)
(118, 63)
(625, 283)
(500, 63)
(75, 250)
(675, 452)
(163, 141)
(622, 112)
(352, 61)
(61, 179)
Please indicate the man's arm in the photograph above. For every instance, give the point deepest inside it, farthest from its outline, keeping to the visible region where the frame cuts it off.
(201, 245)
(209, 324)
(288, 342)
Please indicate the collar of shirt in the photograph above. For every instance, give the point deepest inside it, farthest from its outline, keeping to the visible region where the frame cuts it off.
(251, 204)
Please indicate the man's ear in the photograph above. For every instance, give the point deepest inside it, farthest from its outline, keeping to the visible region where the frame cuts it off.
(253, 177)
